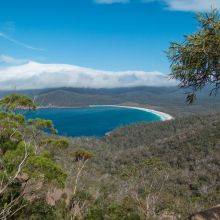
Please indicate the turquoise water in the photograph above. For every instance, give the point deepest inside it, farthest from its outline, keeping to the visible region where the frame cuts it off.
(91, 121)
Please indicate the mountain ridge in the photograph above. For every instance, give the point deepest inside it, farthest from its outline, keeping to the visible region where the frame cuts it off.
(167, 99)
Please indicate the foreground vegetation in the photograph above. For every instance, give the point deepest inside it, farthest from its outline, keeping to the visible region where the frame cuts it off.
(28, 168)
(143, 171)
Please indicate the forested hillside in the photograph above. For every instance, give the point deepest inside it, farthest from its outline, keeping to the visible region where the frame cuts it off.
(142, 171)
(151, 170)
(168, 99)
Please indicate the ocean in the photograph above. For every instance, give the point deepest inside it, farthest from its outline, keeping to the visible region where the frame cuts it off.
(91, 121)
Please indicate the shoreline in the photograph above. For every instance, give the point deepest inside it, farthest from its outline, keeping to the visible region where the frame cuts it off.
(163, 116)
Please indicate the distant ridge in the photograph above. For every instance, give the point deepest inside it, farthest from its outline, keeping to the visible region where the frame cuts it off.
(166, 99)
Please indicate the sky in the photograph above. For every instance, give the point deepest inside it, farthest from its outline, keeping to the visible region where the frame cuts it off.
(42, 39)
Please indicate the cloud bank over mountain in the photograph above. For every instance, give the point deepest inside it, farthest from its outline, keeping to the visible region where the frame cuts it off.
(34, 75)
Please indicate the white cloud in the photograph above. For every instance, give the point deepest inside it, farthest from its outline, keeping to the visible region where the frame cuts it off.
(179, 5)
(111, 1)
(11, 60)
(14, 41)
(192, 5)
(33, 75)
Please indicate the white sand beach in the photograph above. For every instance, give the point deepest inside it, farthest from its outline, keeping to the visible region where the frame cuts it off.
(162, 115)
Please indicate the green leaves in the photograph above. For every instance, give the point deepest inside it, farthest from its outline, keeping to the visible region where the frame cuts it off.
(42, 124)
(43, 167)
(21, 155)
(12, 158)
(16, 101)
(191, 97)
(55, 143)
(10, 135)
(196, 61)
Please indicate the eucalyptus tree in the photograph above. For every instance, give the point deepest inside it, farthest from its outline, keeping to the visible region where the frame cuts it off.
(22, 158)
(29, 151)
(196, 61)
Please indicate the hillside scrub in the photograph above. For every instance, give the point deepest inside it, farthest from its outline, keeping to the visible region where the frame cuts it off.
(153, 170)
(141, 171)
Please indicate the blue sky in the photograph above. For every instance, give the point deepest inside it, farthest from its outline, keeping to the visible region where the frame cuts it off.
(112, 35)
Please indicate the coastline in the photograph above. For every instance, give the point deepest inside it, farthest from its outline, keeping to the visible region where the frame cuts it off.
(163, 116)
